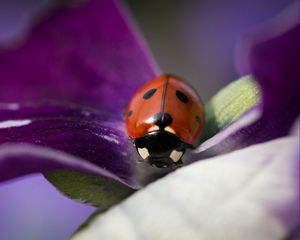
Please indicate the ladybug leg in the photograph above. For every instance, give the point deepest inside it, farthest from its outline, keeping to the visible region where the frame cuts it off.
(177, 165)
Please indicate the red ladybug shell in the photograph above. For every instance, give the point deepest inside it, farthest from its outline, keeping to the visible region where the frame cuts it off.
(170, 95)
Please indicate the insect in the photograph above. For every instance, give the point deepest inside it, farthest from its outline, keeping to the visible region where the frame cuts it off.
(163, 119)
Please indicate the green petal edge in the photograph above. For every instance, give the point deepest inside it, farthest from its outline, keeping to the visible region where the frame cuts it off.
(229, 104)
(85, 188)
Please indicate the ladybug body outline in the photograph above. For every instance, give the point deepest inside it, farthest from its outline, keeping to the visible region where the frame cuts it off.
(163, 119)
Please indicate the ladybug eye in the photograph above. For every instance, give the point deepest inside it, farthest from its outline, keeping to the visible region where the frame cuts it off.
(149, 93)
(182, 97)
(129, 113)
(198, 120)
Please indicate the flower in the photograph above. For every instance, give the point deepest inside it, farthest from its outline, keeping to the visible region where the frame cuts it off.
(73, 118)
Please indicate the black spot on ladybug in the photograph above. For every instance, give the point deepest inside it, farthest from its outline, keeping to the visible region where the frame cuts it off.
(182, 97)
(129, 113)
(198, 120)
(149, 93)
(162, 120)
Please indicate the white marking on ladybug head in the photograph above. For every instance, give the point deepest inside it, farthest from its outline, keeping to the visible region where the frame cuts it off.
(169, 129)
(153, 128)
(143, 152)
(176, 155)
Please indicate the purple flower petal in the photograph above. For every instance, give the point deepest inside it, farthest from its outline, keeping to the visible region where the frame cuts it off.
(271, 54)
(52, 137)
(272, 58)
(89, 54)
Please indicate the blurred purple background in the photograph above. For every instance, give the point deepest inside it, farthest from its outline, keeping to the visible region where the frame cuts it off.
(32, 209)
(194, 39)
(16, 16)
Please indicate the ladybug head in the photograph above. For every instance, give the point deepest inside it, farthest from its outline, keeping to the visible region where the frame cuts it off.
(161, 149)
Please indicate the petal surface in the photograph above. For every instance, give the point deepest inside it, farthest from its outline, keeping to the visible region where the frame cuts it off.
(47, 137)
(89, 53)
(270, 54)
(233, 196)
(64, 85)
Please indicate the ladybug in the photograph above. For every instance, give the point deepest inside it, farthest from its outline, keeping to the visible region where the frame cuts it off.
(163, 119)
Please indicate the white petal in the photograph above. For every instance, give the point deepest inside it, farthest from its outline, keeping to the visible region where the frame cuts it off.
(241, 195)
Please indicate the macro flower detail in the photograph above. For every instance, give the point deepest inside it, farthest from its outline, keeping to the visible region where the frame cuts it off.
(69, 93)
(64, 88)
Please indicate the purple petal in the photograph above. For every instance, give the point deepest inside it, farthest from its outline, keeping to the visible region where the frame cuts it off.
(89, 54)
(253, 127)
(271, 54)
(272, 57)
(51, 137)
